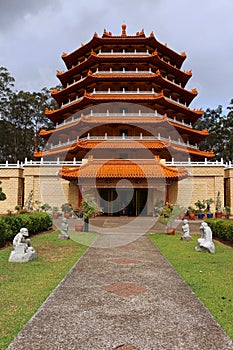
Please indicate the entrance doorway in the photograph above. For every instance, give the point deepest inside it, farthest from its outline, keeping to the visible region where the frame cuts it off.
(130, 202)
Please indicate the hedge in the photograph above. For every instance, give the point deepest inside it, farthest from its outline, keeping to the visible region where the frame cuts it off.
(222, 229)
(35, 222)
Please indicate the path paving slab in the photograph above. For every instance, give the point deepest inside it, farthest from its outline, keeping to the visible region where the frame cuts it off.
(125, 297)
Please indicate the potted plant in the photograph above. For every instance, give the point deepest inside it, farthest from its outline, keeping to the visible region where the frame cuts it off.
(191, 213)
(168, 216)
(88, 208)
(227, 211)
(201, 207)
(46, 207)
(17, 208)
(55, 212)
(208, 204)
(218, 207)
(66, 209)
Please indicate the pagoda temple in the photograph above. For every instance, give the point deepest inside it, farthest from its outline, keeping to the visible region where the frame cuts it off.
(123, 114)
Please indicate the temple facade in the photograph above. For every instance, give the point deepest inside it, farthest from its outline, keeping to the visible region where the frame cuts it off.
(124, 112)
(124, 131)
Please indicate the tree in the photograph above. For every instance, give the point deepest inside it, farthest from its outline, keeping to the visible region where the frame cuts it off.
(220, 129)
(211, 120)
(6, 85)
(26, 115)
(22, 116)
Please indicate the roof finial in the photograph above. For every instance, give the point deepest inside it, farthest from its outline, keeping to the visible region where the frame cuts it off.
(123, 33)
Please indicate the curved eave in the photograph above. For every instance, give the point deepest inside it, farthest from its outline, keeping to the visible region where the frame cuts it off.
(196, 152)
(191, 115)
(198, 135)
(118, 169)
(126, 144)
(150, 77)
(95, 121)
(164, 49)
(64, 76)
(58, 151)
(93, 58)
(122, 144)
(82, 50)
(124, 40)
(38, 154)
(45, 134)
(66, 111)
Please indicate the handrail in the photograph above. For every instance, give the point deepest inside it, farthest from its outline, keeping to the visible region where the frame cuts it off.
(59, 162)
(123, 137)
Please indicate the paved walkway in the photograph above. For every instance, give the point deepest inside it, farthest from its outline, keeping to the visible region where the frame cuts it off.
(125, 297)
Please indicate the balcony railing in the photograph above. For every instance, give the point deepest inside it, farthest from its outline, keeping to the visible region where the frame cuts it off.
(59, 162)
(123, 72)
(123, 52)
(106, 137)
(136, 92)
(121, 115)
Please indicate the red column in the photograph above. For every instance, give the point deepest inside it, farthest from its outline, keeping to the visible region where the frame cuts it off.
(79, 197)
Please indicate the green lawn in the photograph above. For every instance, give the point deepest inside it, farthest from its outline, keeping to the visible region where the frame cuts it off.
(210, 276)
(24, 286)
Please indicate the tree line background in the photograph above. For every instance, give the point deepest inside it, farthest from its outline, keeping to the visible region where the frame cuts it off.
(22, 117)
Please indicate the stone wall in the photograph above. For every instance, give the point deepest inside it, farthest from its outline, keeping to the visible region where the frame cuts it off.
(17, 182)
(203, 182)
(12, 185)
(229, 187)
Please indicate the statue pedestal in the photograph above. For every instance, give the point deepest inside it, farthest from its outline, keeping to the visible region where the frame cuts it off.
(186, 238)
(64, 236)
(22, 254)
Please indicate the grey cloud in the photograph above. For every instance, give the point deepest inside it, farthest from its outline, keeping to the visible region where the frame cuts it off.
(37, 32)
(13, 12)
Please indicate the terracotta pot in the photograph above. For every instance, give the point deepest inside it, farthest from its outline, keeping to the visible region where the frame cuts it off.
(67, 215)
(218, 215)
(171, 231)
(55, 215)
(191, 216)
(79, 228)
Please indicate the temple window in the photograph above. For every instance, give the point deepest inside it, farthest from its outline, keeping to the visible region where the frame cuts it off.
(124, 132)
(123, 110)
(123, 155)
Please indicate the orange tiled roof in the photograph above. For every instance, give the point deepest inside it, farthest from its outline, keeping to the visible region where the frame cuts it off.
(184, 76)
(58, 95)
(108, 38)
(67, 110)
(119, 168)
(126, 144)
(123, 144)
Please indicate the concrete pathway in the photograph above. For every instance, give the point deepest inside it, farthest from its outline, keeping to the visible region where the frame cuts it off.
(125, 297)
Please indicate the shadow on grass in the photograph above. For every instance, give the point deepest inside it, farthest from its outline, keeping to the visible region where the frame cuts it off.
(84, 238)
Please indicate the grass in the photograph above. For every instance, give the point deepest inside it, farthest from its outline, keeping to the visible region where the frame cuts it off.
(25, 286)
(210, 276)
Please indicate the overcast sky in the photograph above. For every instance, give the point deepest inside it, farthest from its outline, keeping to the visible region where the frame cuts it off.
(34, 34)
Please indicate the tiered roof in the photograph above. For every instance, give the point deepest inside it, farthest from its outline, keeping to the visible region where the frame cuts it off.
(128, 69)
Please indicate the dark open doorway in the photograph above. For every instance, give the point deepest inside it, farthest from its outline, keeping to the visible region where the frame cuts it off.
(131, 202)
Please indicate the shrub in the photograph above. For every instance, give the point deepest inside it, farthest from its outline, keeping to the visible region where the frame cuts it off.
(35, 222)
(222, 229)
(3, 233)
